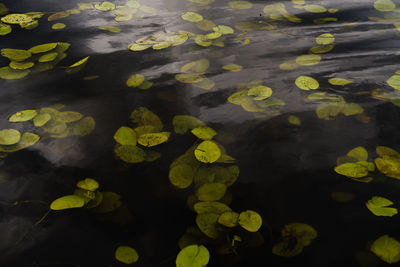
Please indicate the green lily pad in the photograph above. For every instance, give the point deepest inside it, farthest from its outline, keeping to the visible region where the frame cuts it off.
(67, 116)
(5, 29)
(339, 81)
(387, 249)
(21, 65)
(9, 137)
(325, 39)
(211, 191)
(181, 175)
(306, 83)
(67, 202)
(58, 26)
(16, 19)
(379, 206)
(88, 184)
(105, 6)
(130, 154)
(207, 152)
(23, 115)
(182, 123)
(353, 170)
(15, 54)
(204, 132)
(125, 136)
(250, 220)
(308, 60)
(42, 48)
(260, 92)
(48, 57)
(229, 219)
(207, 223)
(193, 256)
(126, 255)
(192, 16)
(153, 139)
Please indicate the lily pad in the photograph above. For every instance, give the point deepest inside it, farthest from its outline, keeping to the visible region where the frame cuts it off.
(229, 219)
(325, 39)
(211, 191)
(5, 29)
(339, 81)
(27, 139)
(16, 19)
(250, 220)
(105, 6)
(135, 80)
(353, 170)
(8, 73)
(308, 60)
(88, 184)
(182, 123)
(379, 206)
(43, 48)
(126, 255)
(240, 5)
(21, 65)
(387, 249)
(67, 202)
(233, 67)
(23, 115)
(193, 256)
(306, 83)
(153, 139)
(204, 132)
(181, 175)
(130, 154)
(192, 16)
(15, 54)
(48, 57)
(260, 92)
(84, 126)
(9, 137)
(125, 136)
(207, 152)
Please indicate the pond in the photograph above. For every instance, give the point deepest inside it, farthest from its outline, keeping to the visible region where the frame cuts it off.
(199, 133)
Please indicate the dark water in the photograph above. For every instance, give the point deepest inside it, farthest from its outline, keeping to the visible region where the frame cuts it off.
(286, 171)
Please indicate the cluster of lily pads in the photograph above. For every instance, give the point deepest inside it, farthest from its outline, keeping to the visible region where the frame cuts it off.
(200, 168)
(36, 59)
(58, 124)
(26, 21)
(147, 133)
(355, 165)
(255, 97)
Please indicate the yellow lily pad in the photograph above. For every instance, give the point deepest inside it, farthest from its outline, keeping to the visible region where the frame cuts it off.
(67, 202)
(229, 219)
(182, 123)
(5, 29)
(9, 136)
(105, 6)
(84, 126)
(88, 184)
(135, 80)
(308, 60)
(126, 255)
(207, 152)
(250, 220)
(339, 81)
(204, 132)
(223, 29)
(58, 26)
(181, 176)
(15, 54)
(42, 48)
(211, 207)
(359, 153)
(325, 39)
(233, 67)
(153, 139)
(21, 65)
(260, 92)
(306, 83)
(211, 191)
(207, 223)
(125, 136)
(192, 16)
(16, 19)
(23, 115)
(27, 140)
(387, 249)
(353, 170)
(384, 5)
(240, 5)
(294, 120)
(379, 206)
(315, 8)
(193, 256)
(130, 154)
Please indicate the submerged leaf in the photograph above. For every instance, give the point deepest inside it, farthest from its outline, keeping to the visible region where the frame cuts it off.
(211, 191)
(181, 175)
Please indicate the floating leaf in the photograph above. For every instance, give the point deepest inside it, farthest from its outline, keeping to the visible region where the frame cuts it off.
(68, 116)
(48, 57)
(23, 115)
(294, 120)
(189, 77)
(105, 6)
(315, 8)
(211, 192)
(181, 176)
(58, 15)
(250, 220)
(84, 126)
(204, 132)
(58, 26)
(125, 136)
(15, 54)
(27, 139)
(394, 81)
(153, 139)
(43, 48)
(325, 39)
(88, 184)
(353, 170)
(138, 47)
(21, 65)
(339, 81)
(260, 92)
(207, 152)
(198, 66)
(5, 29)
(306, 83)
(41, 119)
(130, 154)
(229, 219)
(385, 151)
(211, 207)
(320, 49)
(9, 137)
(387, 249)
(193, 256)
(135, 80)
(223, 29)
(126, 255)
(206, 25)
(233, 67)
(16, 19)
(182, 123)
(207, 223)
(384, 5)
(359, 153)
(241, 5)
(308, 60)
(192, 16)
(11, 74)
(79, 63)
(379, 206)
(67, 202)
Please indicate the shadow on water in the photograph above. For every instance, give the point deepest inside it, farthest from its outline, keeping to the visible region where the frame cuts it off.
(286, 170)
